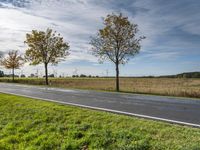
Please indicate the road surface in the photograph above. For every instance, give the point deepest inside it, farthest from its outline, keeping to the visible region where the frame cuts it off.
(175, 110)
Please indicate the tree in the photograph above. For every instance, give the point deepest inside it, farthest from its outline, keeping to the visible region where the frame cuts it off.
(12, 61)
(45, 47)
(23, 76)
(1, 73)
(1, 54)
(116, 42)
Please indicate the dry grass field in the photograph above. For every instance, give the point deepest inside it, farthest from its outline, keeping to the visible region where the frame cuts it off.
(160, 86)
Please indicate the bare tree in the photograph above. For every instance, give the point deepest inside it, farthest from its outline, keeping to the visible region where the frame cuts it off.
(117, 41)
(45, 47)
(12, 61)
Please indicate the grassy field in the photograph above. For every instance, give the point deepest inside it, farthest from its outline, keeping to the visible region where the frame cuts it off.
(161, 86)
(38, 125)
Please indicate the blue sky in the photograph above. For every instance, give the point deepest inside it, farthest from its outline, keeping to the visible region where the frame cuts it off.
(172, 29)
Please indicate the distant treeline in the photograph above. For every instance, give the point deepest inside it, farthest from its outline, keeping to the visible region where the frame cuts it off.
(181, 75)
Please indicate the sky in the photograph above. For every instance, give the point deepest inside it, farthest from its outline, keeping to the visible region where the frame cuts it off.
(172, 30)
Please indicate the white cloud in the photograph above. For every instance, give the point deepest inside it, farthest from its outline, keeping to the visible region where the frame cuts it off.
(77, 20)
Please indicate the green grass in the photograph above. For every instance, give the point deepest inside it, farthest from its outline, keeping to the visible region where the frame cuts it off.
(34, 124)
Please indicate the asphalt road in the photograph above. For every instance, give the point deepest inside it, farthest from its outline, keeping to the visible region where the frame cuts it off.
(175, 110)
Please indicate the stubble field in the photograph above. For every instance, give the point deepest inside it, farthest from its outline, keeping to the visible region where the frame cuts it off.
(159, 86)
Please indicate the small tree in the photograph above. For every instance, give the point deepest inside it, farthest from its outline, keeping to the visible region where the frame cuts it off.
(1, 73)
(1, 54)
(116, 42)
(45, 47)
(12, 61)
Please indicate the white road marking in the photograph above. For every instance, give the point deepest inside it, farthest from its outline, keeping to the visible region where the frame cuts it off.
(110, 110)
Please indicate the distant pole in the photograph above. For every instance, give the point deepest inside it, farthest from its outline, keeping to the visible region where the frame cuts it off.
(107, 72)
(37, 74)
(75, 72)
(41, 74)
(63, 74)
(22, 72)
(55, 72)
(102, 74)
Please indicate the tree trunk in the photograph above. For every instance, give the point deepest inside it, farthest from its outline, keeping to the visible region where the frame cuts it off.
(117, 77)
(13, 74)
(46, 73)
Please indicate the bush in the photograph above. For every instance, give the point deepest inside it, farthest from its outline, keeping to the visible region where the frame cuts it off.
(83, 76)
(1, 73)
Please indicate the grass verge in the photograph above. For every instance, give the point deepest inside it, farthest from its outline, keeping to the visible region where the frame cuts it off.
(34, 124)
